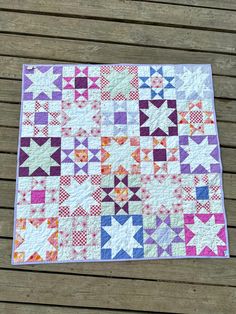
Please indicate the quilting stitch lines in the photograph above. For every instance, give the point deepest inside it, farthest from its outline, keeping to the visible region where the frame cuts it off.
(118, 162)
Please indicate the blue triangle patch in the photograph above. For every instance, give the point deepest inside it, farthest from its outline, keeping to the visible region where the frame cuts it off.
(122, 255)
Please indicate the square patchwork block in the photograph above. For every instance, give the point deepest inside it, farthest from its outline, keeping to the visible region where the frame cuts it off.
(44, 233)
(164, 235)
(42, 82)
(80, 196)
(81, 83)
(41, 118)
(119, 82)
(157, 82)
(158, 118)
(199, 154)
(121, 194)
(81, 118)
(205, 234)
(79, 238)
(38, 197)
(196, 117)
(120, 118)
(202, 193)
(80, 155)
(118, 162)
(159, 155)
(120, 155)
(129, 230)
(49, 151)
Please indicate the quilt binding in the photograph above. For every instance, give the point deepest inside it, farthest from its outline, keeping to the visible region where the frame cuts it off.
(227, 255)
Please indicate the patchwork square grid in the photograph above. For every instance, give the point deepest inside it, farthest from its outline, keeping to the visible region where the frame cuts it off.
(118, 162)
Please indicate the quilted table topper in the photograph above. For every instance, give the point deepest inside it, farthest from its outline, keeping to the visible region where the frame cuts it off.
(118, 162)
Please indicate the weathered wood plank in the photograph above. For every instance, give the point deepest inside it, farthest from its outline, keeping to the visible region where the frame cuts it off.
(219, 272)
(229, 183)
(7, 189)
(230, 206)
(227, 138)
(228, 88)
(218, 4)
(10, 90)
(8, 163)
(130, 11)
(10, 114)
(116, 293)
(8, 166)
(85, 51)
(26, 308)
(228, 156)
(225, 110)
(8, 139)
(126, 33)
(6, 222)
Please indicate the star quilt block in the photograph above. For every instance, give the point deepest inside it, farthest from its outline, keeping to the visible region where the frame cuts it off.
(118, 162)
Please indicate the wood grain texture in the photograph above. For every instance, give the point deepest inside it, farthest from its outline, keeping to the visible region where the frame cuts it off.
(219, 272)
(85, 51)
(145, 12)
(26, 308)
(218, 4)
(10, 114)
(11, 67)
(126, 33)
(85, 291)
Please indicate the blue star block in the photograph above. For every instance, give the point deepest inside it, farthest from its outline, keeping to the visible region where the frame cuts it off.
(202, 193)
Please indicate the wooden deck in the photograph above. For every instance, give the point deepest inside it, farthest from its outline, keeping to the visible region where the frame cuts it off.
(116, 31)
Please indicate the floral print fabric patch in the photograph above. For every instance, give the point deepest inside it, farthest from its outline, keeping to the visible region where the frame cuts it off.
(118, 162)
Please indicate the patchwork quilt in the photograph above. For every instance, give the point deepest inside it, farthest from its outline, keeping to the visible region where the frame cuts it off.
(118, 162)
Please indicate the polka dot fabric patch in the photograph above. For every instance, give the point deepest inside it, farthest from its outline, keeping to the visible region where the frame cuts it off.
(118, 162)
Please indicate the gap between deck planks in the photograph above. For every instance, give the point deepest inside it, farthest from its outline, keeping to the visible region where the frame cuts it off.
(130, 294)
(69, 50)
(26, 308)
(126, 33)
(219, 272)
(145, 12)
(218, 4)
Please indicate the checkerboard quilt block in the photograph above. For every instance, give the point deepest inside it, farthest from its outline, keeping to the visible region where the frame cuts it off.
(118, 162)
